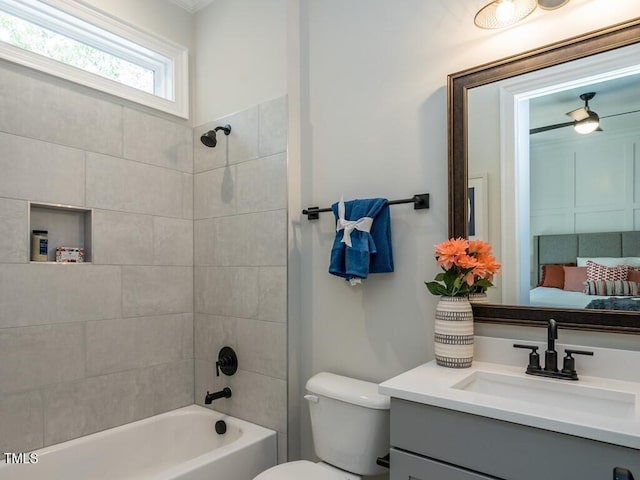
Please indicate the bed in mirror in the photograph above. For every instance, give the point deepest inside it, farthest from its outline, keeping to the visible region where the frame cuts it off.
(561, 208)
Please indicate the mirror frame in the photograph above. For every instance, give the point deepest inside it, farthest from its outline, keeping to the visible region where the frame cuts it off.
(458, 84)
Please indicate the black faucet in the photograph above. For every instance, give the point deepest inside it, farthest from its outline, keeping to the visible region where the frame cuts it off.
(224, 393)
(568, 371)
(550, 355)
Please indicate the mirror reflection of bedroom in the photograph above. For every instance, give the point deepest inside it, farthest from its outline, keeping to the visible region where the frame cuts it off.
(565, 215)
(585, 196)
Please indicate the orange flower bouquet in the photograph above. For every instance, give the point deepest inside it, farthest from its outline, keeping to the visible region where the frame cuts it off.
(468, 267)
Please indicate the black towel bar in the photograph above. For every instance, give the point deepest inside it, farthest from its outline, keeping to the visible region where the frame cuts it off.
(420, 202)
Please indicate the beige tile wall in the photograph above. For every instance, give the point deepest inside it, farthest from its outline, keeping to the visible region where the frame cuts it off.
(88, 347)
(240, 258)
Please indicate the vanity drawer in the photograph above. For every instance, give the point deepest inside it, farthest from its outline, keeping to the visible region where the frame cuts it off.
(503, 449)
(406, 466)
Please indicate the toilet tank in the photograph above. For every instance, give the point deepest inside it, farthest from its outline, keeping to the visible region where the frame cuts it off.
(350, 422)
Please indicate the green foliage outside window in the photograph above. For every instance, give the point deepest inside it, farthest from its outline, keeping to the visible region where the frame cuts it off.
(36, 39)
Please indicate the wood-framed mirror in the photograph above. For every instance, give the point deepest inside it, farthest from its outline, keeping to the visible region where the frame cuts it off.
(459, 86)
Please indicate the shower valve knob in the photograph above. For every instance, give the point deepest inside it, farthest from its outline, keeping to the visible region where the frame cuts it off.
(227, 361)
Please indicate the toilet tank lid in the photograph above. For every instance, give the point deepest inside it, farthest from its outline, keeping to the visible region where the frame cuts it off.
(350, 390)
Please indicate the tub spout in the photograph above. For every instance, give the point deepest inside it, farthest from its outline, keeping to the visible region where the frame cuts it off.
(224, 393)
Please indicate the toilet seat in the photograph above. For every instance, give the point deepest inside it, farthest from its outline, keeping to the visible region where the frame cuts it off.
(303, 469)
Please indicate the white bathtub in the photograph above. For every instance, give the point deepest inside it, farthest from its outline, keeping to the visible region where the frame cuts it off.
(181, 444)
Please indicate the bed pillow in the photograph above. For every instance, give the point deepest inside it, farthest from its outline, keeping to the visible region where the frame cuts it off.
(552, 276)
(621, 288)
(606, 261)
(631, 261)
(634, 275)
(596, 271)
(574, 278)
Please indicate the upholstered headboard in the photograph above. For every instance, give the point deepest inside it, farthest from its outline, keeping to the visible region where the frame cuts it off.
(566, 248)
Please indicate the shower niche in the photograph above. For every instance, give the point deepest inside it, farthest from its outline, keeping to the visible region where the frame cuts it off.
(66, 226)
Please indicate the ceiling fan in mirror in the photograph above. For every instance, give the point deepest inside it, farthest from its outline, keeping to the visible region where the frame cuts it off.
(584, 121)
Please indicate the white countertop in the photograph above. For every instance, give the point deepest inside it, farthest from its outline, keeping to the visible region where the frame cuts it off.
(432, 384)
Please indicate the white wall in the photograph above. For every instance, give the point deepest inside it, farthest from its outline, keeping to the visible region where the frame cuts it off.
(241, 56)
(586, 184)
(157, 16)
(373, 123)
(483, 139)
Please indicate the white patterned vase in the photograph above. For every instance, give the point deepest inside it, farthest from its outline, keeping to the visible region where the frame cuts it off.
(454, 332)
(478, 297)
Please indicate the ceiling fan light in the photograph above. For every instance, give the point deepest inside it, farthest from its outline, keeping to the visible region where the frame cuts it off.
(502, 13)
(588, 125)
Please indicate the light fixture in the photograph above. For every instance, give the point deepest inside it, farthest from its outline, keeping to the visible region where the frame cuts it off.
(552, 4)
(587, 120)
(502, 13)
(589, 124)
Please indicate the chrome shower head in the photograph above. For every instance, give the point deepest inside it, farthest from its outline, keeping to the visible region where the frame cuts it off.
(209, 138)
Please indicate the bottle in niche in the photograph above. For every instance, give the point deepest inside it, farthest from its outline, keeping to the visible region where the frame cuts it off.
(39, 246)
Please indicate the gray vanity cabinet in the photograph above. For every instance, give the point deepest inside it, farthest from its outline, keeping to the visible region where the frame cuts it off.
(407, 466)
(436, 443)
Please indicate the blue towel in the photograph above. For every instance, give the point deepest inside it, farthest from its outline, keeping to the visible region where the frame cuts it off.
(370, 252)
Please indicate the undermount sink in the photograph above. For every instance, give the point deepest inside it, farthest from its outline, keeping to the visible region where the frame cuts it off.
(603, 405)
(561, 394)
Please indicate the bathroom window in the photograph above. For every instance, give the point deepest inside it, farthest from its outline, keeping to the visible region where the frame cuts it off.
(75, 42)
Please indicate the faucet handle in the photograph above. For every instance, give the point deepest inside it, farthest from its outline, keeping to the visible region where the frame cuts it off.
(227, 361)
(534, 357)
(569, 363)
(570, 352)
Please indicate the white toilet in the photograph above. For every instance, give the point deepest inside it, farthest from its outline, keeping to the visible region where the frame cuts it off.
(350, 424)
